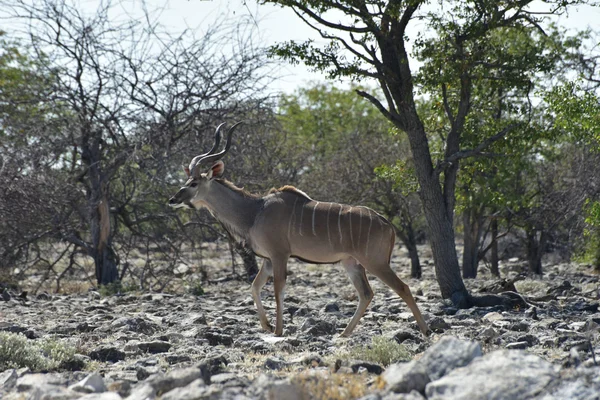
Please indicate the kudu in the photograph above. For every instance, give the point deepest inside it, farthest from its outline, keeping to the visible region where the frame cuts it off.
(287, 223)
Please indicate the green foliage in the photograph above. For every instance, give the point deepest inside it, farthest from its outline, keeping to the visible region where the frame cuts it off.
(318, 118)
(16, 351)
(576, 113)
(591, 252)
(384, 351)
(196, 289)
(401, 174)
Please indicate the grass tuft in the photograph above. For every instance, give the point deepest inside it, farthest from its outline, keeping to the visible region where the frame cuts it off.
(16, 351)
(331, 386)
(382, 350)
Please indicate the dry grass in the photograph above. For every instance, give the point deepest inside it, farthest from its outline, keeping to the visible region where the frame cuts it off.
(323, 385)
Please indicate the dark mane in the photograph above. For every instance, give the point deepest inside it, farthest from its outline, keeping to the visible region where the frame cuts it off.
(290, 189)
(231, 186)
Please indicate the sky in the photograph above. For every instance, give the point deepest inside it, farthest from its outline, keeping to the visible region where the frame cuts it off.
(275, 24)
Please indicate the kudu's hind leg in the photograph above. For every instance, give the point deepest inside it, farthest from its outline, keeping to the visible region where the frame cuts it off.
(389, 277)
(357, 275)
(279, 277)
(259, 282)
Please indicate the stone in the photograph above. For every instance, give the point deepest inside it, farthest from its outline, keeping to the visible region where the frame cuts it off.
(275, 364)
(154, 347)
(110, 354)
(371, 368)
(447, 354)
(406, 377)
(194, 391)
(51, 392)
(438, 325)
(93, 383)
(316, 327)
(517, 345)
(101, 396)
(499, 375)
(30, 381)
(8, 379)
(492, 316)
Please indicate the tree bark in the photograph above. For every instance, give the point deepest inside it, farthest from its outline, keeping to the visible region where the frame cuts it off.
(472, 224)
(249, 260)
(494, 269)
(535, 250)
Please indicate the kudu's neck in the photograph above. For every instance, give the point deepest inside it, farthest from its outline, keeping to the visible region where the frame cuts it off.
(233, 208)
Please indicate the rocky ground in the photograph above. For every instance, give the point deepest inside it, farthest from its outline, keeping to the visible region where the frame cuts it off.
(180, 346)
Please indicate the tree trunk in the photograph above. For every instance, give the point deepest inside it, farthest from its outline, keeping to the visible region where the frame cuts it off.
(472, 223)
(469, 269)
(415, 263)
(439, 220)
(407, 236)
(494, 256)
(104, 256)
(441, 234)
(249, 259)
(535, 250)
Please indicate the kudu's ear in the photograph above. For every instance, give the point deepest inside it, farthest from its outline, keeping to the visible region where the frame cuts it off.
(216, 170)
(186, 170)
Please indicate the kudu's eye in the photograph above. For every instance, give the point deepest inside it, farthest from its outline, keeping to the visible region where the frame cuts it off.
(193, 184)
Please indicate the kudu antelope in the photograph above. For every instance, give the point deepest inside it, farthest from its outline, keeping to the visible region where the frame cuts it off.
(287, 223)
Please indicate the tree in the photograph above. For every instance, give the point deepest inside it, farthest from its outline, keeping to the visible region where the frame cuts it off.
(372, 42)
(132, 94)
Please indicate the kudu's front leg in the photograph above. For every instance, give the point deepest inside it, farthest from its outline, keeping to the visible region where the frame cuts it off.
(259, 282)
(279, 277)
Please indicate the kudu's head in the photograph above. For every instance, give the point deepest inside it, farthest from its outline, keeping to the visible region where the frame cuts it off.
(198, 184)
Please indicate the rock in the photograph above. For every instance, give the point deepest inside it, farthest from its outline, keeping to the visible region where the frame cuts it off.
(154, 347)
(137, 324)
(177, 358)
(110, 354)
(30, 381)
(217, 338)
(499, 375)
(332, 307)
(75, 363)
(517, 345)
(92, 383)
(487, 334)
(438, 325)
(316, 327)
(51, 392)
(275, 364)
(193, 391)
(163, 383)
(8, 379)
(447, 354)
(101, 396)
(405, 377)
(369, 367)
(403, 335)
(267, 387)
(520, 326)
(492, 316)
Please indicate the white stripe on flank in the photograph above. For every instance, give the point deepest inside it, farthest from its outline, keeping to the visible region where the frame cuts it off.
(301, 215)
(293, 214)
(329, 236)
(340, 222)
(359, 224)
(368, 233)
(313, 221)
(351, 237)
